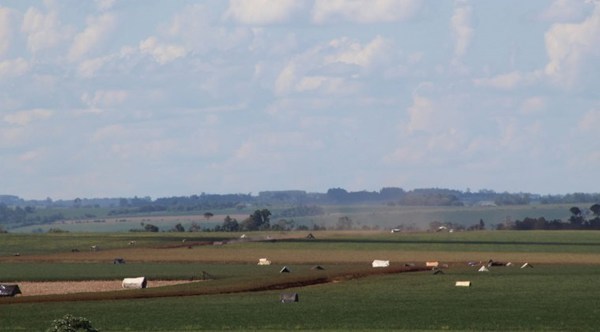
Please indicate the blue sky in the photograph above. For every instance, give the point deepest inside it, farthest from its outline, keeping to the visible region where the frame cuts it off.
(113, 98)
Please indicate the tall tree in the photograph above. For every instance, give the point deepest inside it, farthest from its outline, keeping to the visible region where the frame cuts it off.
(576, 219)
(259, 220)
(230, 225)
(595, 209)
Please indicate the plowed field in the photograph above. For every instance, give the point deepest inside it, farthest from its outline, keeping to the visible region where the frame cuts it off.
(66, 287)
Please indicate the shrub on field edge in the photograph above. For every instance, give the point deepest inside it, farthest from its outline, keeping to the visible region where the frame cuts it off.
(70, 323)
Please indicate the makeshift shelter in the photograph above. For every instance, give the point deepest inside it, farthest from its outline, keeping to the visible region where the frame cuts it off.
(463, 284)
(9, 290)
(317, 267)
(118, 260)
(432, 264)
(135, 283)
(492, 262)
(288, 297)
(284, 270)
(264, 261)
(526, 265)
(380, 263)
(483, 269)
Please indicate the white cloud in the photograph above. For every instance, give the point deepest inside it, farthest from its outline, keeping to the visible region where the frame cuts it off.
(421, 114)
(461, 28)
(162, 53)
(570, 45)
(352, 52)
(23, 118)
(44, 31)
(105, 4)
(311, 83)
(105, 98)
(13, 68)
(96, 32)
(565, 10)
(364, 11)
(533, 105)
(507, 81)
(88, 68)
(262, 12)
(5, 29)
(307, 71)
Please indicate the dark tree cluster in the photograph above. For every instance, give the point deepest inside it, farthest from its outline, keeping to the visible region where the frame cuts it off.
(579, 220)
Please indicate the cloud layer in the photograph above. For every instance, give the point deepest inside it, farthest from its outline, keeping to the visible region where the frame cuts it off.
(243, 96)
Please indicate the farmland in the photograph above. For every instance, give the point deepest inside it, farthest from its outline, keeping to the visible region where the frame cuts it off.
(559, 293)
(363, 216)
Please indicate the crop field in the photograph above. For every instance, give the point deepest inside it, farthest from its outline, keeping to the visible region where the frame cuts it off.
(230, 292)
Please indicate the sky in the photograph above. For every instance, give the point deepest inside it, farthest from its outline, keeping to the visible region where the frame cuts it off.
(123, 98)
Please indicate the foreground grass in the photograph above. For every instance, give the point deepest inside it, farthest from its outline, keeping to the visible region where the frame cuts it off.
(551, 298)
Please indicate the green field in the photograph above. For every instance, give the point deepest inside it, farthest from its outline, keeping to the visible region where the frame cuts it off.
(560, 293)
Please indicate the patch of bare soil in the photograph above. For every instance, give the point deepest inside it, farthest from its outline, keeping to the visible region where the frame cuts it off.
(65, 287)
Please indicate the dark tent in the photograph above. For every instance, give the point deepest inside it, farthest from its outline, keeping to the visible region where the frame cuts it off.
(119, 261)
(9, 290)
(284, 270)
(310, 236)
(288, 297)
(317, 267)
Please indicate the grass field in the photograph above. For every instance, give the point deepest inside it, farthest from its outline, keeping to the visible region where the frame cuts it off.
(560, 293)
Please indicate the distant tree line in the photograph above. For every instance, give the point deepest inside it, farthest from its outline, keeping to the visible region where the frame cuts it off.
(259, 220)
(387, 195)
(26, 216)
(579, 220)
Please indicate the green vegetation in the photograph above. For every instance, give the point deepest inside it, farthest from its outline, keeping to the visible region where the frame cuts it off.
(241, 296)
(543, 298)
(70, 323)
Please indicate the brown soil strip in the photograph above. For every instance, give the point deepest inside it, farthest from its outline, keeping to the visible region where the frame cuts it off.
(91, 286)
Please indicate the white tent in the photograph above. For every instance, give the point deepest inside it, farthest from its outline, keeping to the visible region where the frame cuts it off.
(432, 264)
(526, 265)
(288, 298)
(463, 284)
(483, 269)
(264, 261)
(380, 263)
(140, 282)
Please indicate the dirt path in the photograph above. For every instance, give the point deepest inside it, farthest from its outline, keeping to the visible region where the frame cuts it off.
(65, 287)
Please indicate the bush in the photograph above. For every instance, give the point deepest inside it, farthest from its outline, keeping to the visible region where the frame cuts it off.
(70, 323)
